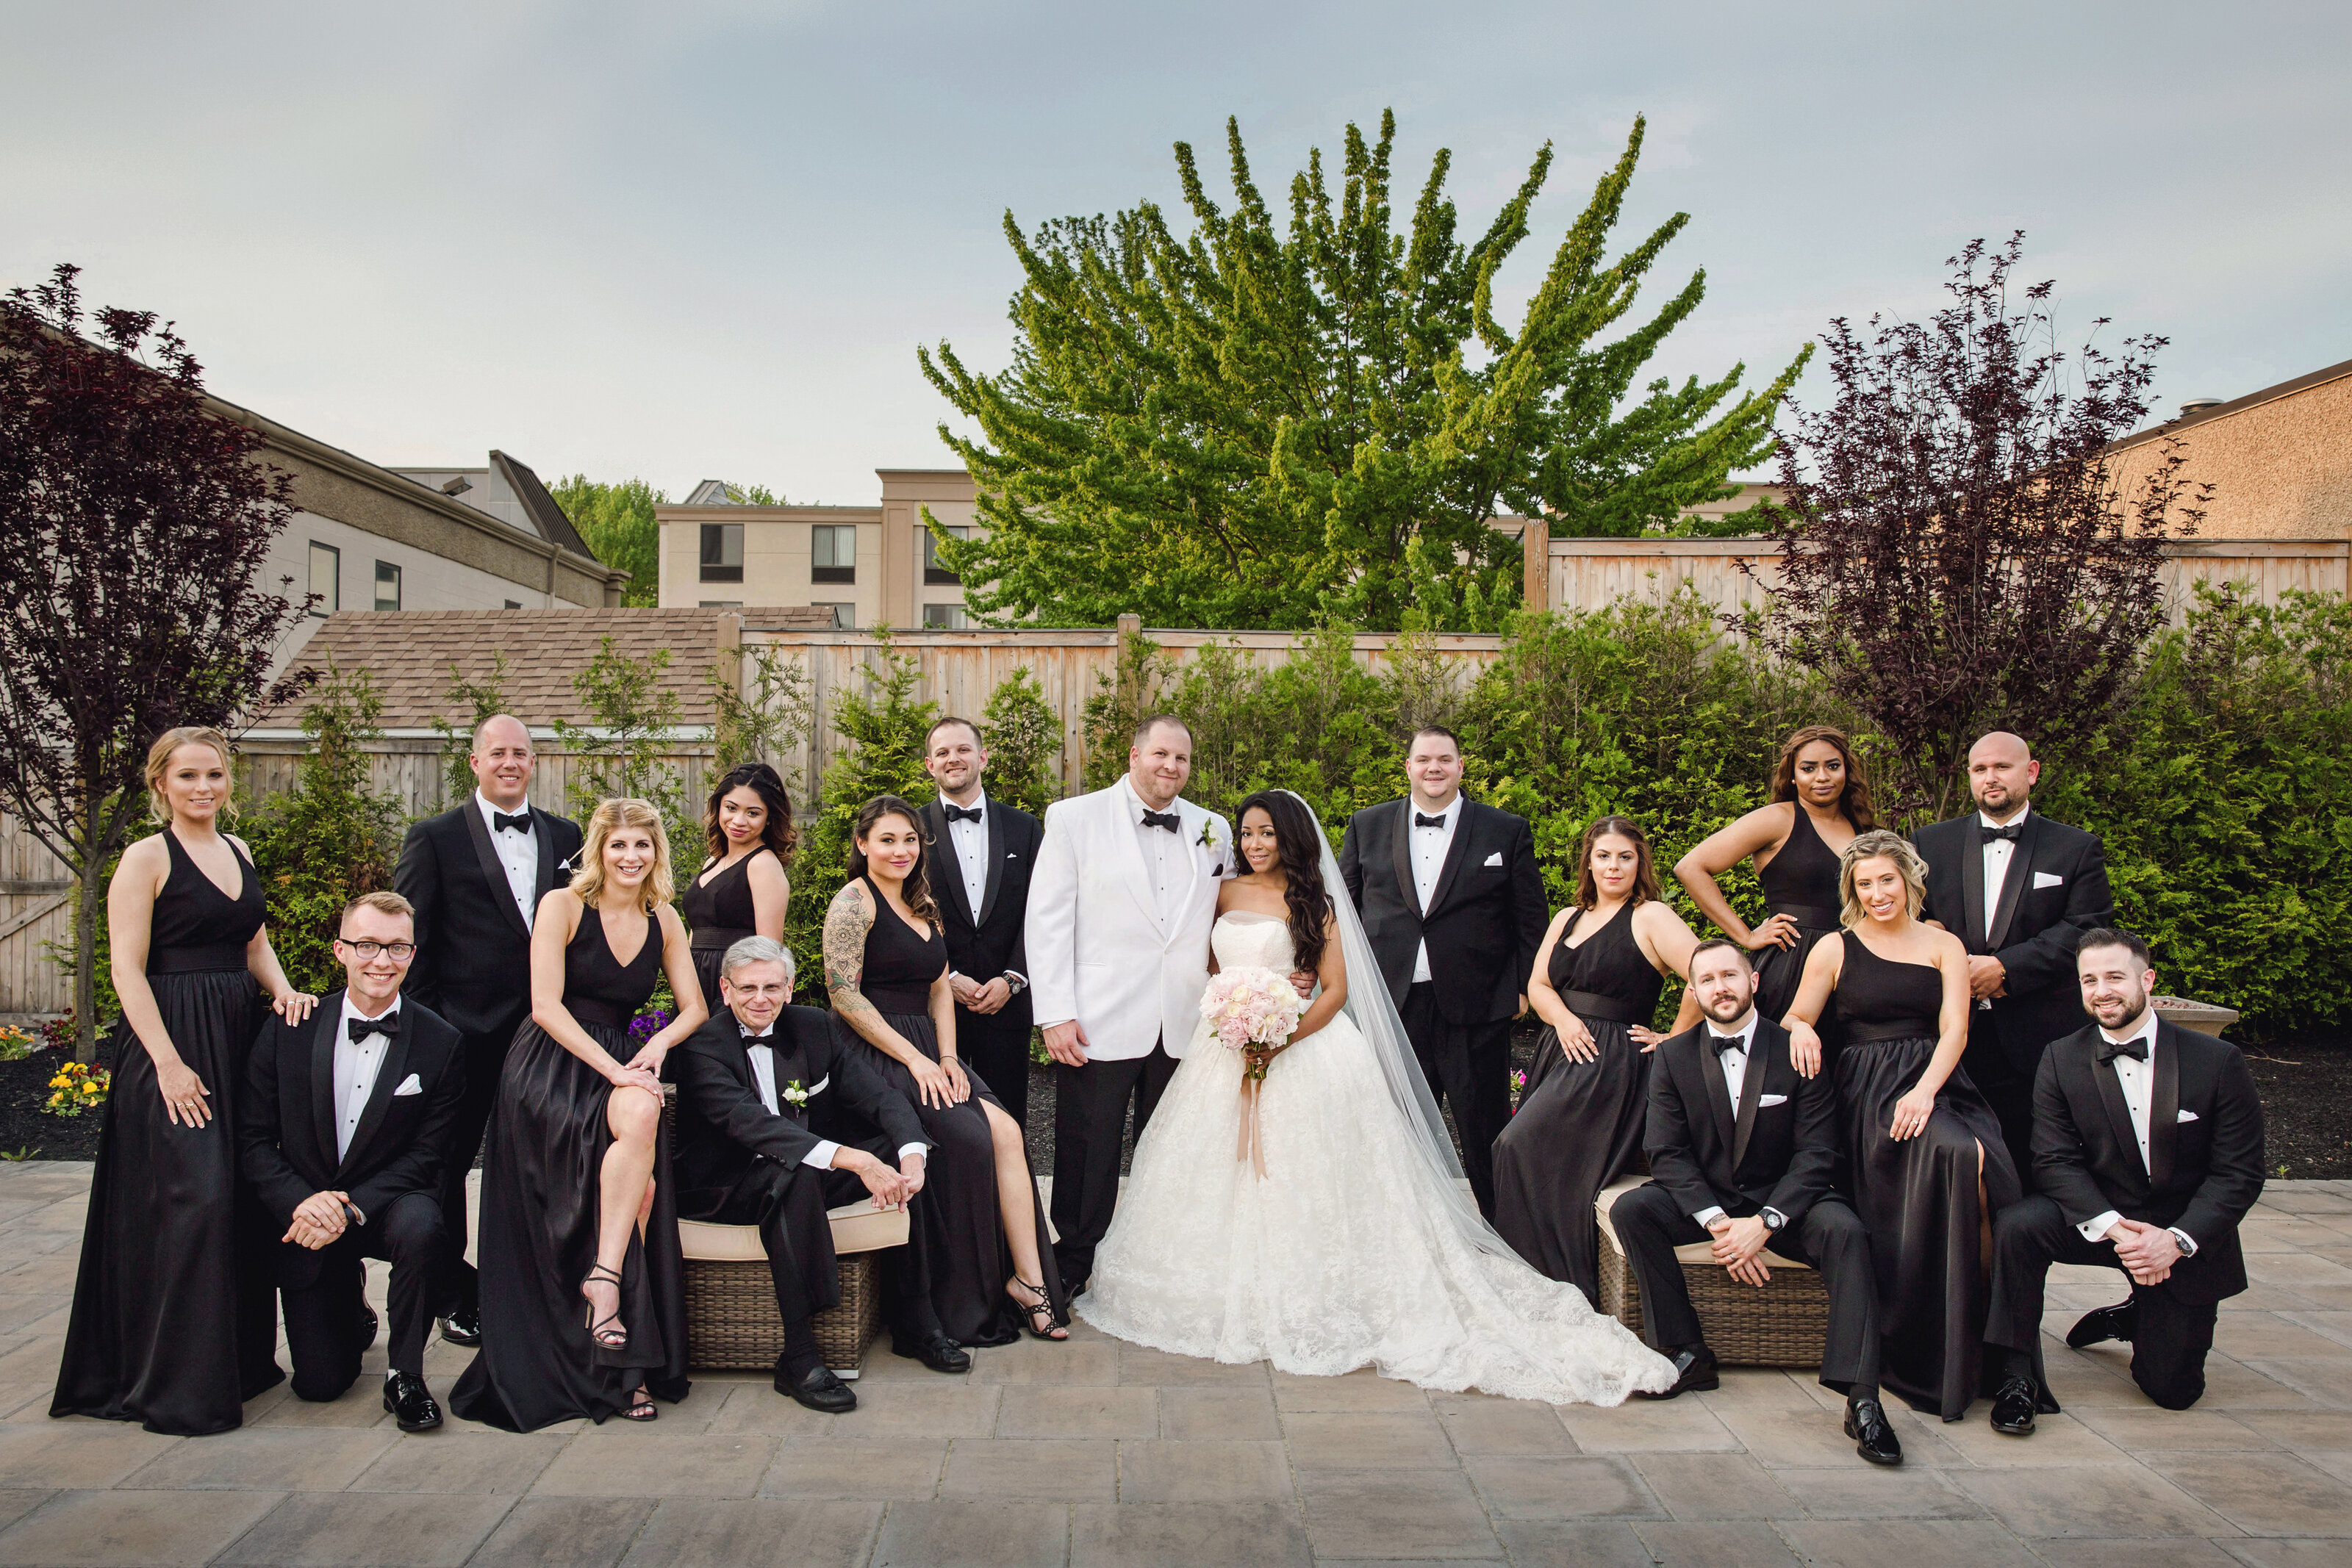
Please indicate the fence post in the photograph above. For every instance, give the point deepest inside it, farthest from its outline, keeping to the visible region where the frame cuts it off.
(1535, 565)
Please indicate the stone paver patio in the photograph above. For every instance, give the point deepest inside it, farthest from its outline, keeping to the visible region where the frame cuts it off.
(1102, 1453)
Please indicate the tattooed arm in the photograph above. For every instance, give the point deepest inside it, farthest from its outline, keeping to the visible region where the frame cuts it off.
(846, 925)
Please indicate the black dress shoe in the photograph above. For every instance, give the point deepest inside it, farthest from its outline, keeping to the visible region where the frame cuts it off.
(818, 1389)
(1694, 1372)
(2118, 1322)
(411, 1403)
(2013, 1406)
(463, 1327)
(369, 1325)
(938, 1352)
(1874, 1440)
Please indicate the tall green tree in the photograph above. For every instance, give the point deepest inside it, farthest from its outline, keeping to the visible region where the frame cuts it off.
(617, 521)
(1282, 422)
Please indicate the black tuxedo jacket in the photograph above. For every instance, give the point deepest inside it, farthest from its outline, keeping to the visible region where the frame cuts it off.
(984, 943)
(2203, 1174)
(1484, 923)
(723, 1129)
(1780, 1156)
(473, 947)
(2034, 929)
(285, 1120)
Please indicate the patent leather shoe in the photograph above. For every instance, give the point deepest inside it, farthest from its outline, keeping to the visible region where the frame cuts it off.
(818, 1389)
(1874, 1440)
(463, 1327)
(2013, 1406)
(1694, 1372)
(2118, 1322)
(411, 1403)
(369, 1325)
(938, 1352)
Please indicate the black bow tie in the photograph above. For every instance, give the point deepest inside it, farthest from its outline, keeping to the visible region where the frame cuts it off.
(1172, 820)
(387, 1026)
(2136, 1048)
(765, 1036)
(1723, 1042)
(1419, 820)
(501, 822)
(964, 813)
(2008, 830)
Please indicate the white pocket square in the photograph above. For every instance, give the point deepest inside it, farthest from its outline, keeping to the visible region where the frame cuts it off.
(2188, 1115)
(1495, 859)
(2043, 879)
(409, 1085)
(1771, 1099)
(819, 1087)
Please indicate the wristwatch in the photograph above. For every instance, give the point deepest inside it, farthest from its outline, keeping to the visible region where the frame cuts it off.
(2187, 1244)
(1017, 984)
(1772, 1218)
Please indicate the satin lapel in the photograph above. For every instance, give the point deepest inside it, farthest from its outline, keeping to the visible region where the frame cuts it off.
(1751, 1095)
(494, 872)
(1718, 1092)
(1457, 852)
(324, 1023)
(791, 1067)
(2164, 1106)
(995, 874)
(1973, 902)
(947, 881)
(1126, 845)
(2013, 885)
(2110, 1096)
(1400, 848)
(389, 1072)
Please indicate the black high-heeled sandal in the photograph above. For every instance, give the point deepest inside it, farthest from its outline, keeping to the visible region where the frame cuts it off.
(642, 1408)
(615, 1336)
(1043, 1304)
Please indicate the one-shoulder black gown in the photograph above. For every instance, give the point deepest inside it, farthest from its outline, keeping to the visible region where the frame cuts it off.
(718, 909)
(537, 1235)
(1919, 1196)
(174, 1319)
(1800, 881)
(970, 1260)
(1579, 1125)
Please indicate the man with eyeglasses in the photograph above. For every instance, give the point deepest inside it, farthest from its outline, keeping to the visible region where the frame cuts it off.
(343, 1132)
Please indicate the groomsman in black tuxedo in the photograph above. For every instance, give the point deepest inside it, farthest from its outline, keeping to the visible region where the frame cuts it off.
(778, 1122)
(475, 876)
(1455, 909)
(1742, 1150)
(342, 1131)
(2020, 889)
(982, 855)
(2147, 1138)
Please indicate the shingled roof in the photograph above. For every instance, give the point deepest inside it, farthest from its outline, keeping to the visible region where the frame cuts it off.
(553, 526)
(411, 652)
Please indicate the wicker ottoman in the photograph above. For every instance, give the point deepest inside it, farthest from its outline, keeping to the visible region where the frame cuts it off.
(730, 1300)
(1784, 1324)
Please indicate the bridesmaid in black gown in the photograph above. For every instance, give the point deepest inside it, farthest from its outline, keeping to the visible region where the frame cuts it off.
(1930, 1168)
(886, 968)
(741, 890)
(584, 1286)
(1820, 800)
(175, 1321)
(1579, 1126)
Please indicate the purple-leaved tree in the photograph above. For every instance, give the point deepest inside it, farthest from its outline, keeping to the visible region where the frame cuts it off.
(1957, 553)
(134, 521)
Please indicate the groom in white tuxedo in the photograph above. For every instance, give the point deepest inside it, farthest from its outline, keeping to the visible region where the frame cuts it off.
(1121, 902)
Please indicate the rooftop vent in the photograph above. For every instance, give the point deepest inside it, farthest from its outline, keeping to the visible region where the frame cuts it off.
(2199, 405)
(457, 486)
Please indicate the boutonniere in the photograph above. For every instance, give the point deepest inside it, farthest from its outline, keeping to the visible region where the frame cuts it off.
(1207, 839)
(794, 1093)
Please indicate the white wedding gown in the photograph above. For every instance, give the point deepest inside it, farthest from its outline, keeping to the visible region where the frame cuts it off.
(1345, 1254)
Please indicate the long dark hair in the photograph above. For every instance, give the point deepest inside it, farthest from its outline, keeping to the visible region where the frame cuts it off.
(1300, 856)
(1853, 803)
(917, 890)
(780, 837)
(1645, 870)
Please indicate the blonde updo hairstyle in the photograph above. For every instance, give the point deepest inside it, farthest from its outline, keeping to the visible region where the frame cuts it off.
(1875, 844)
(159, 762)
(609, 817)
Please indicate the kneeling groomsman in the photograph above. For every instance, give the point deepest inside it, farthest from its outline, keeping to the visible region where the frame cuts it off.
(1741, 1152)
(747, 1083)
(343, 1132)
(2147, 1144)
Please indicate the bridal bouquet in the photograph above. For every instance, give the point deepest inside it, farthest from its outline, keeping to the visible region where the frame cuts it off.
(1252, 1007)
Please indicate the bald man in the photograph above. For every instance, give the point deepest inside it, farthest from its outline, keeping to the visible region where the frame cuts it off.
(2021, 890)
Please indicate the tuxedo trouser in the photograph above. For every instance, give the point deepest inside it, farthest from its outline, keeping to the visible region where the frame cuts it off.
(999, 1053)
(1829, 1237)
(788, 1204)
(1089, 1128)
(1470, 1064)
(2008, 1091)
(485, 1056)
(321, 1317)
(2170, 1337)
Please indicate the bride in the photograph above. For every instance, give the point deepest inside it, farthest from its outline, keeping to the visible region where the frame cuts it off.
(1359, 1246)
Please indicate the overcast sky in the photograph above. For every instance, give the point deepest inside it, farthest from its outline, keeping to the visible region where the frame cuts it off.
(703, 238)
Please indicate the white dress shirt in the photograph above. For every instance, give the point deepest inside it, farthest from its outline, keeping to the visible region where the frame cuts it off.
(1165, 854)
(1998, 853)
(763, 1077)
(1735, 1075)
(1430, 848)
(970, 841)
(2137, 1080)
(518, 851)
(357, 1063)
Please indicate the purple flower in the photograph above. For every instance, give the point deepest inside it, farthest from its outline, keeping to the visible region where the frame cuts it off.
(646, 1025)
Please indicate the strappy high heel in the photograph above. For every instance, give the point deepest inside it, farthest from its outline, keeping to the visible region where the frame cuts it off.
(641, 1408)
(608, 1331)
(1054, 1329)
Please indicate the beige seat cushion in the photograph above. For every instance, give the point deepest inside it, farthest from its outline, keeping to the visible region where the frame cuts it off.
(857, 1226)
(1696, 1252)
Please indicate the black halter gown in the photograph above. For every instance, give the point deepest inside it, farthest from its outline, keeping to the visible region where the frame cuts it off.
(1579, 1125)
(718, 908)
(537, 1234)
(1919, 1196)
(174, 1319)
(1800, 881)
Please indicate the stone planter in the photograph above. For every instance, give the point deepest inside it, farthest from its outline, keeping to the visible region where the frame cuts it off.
(2205, 1018)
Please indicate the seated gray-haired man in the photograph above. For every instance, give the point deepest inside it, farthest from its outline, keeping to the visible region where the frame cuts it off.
(776, 1124)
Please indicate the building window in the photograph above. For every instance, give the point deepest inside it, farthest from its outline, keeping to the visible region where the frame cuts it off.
(832, 553)
(845, 616)
(932, 570)
(945, 617)
(326, 579)
(719, 605)
(723, 552)
(387, 585)
(514, 604)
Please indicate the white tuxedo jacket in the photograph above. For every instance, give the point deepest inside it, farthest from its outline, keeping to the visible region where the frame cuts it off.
(1099, 949)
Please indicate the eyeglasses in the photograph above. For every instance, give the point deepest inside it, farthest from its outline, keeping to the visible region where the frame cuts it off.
(398, 952)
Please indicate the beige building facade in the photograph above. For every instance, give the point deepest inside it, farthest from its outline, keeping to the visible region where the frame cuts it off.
(2279, 460)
